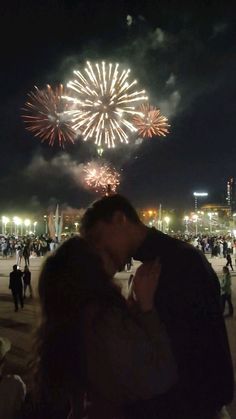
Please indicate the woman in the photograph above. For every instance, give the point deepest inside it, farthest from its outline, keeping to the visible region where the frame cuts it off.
(96, 352)
(226, 291)
(27, 281)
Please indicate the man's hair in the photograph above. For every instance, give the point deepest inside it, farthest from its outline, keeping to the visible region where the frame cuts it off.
(14, 267)
(103, 210)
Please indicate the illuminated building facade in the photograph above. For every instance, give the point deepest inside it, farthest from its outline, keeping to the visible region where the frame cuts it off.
(230, 195)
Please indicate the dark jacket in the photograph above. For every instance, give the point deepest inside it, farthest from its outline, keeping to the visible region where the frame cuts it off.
(16, 281)
(188, 303)
(27, 277)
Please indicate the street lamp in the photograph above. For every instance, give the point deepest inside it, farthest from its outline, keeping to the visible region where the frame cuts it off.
(167, 221)
(76, 226)
(17, 222)
(27, 223)
(186, 219)
(35, 223)
(195, 220)
(5, 220)
(46, 224)
(196, 196)
(210, 220)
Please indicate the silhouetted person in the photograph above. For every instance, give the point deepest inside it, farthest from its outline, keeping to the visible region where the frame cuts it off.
(27, 281)
(16, 286)
(226, 291)
(229, 261)
(26, 254)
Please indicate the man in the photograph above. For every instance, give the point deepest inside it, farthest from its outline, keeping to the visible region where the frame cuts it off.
(16, 286)
(188, 303)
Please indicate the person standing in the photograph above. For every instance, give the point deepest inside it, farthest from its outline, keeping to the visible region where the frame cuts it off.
(27, 281)
(229, 261)
(226, 291)
(26, 253)
(16, 287)
(19, 254)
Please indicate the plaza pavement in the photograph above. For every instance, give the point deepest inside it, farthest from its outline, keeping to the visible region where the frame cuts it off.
(19, 326)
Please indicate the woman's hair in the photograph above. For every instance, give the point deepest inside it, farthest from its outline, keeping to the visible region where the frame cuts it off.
(71, 279)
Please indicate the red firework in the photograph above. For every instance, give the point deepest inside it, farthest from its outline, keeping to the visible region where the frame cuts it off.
(150, 122)
(46, 116)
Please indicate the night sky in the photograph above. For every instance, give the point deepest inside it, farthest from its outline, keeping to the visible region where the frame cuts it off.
(183, 54)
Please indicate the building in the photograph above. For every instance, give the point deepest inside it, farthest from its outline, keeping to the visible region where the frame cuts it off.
(230, 195)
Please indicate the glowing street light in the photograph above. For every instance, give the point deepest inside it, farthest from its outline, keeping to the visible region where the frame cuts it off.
(35, 224)
(198, 195)
(5, 221)
(195, 220)
(186, 220)
(46, 223)
(76, 226)
(167, 221)
(17, 221)
(27, 223)
(210, 214)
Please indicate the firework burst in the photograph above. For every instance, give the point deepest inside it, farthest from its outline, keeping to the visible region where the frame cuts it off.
(101, 177)
(46, 117)
(150, 122)
(105, 100)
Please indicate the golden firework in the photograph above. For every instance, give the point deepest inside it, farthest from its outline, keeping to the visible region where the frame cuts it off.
(150, 122)
(105, 100)
(101, 177)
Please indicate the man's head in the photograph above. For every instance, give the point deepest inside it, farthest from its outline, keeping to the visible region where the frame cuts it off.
(14, 267)
(113, 226)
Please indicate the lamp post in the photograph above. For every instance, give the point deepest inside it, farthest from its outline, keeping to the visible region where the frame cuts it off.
(35, 224)
(186, 219)
(159, 222)
(210, 220)
(27, 224)
(46, 224)
(167, 222)
(195, 220)
(17, 222)
(5, 221)
(196, 196)
(76, 226)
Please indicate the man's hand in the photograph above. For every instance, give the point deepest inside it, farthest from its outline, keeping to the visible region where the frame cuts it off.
(144, 285)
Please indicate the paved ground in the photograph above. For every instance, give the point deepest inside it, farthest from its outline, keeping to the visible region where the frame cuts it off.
(19, 327)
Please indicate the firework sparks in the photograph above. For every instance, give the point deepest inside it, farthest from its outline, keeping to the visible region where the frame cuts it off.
(105, 100)
(150, 122)
(46, 117)
(101, 178)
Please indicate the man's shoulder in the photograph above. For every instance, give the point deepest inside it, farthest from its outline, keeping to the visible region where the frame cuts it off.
(175, 244)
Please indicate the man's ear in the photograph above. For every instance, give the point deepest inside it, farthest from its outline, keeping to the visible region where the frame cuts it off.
(119, 218)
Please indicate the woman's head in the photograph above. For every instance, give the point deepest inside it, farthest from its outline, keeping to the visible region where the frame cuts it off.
(71, 278)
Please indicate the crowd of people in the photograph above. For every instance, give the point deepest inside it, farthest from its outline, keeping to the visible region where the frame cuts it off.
(25, 247)
(162, 352)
